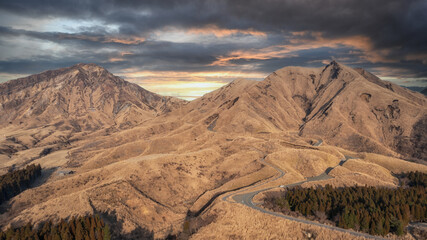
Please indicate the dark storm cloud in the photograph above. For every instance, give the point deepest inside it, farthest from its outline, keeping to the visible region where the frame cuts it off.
(132, 16)
(387, 22)
(147, 55)
(25, 66)
(304, 58)
(86, 38)
(396, 31)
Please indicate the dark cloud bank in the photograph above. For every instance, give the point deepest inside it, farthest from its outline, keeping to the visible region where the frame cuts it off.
(395, 30)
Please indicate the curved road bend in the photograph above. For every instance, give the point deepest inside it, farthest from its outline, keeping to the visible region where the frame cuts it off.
(282, 173)
(318, 143)
(246, 198)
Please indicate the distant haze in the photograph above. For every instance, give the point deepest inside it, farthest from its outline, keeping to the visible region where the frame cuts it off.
(188, 48)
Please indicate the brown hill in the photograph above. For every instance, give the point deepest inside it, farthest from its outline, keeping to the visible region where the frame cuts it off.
(357, 110)
(81, 97)
(153, 174)
(58, 107)
(347, 107)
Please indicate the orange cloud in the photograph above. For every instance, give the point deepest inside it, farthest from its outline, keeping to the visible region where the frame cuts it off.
(417, 57)
(360, 42)
(302, 33)
(259, 54)
(222, 32)
(115, 59)
(316, 40)
(120, 57)
(103, 39)
(127, 41)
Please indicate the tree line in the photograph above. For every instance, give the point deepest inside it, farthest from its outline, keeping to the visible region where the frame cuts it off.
(413, 179)
(81, 228)
(13, 183)
(374, 210)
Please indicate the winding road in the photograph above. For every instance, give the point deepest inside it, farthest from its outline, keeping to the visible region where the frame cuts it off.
(246, 198)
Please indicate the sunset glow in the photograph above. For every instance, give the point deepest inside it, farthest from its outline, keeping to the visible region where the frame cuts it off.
(171, 49)
(186, 85)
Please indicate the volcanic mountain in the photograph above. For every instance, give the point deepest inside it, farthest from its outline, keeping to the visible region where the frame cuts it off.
(58, 107)
(152, 165)
(348, 107)
(83, 97)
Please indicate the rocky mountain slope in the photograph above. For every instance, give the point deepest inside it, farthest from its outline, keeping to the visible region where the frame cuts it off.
(55, 108)
(348, 107)
(86, 96)
(158, 166)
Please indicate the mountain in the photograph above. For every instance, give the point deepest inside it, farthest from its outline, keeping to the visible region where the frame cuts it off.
(86, 96)
(357, 110)
(245, 106)
(347, 107)
(152, 164)
(57, 107)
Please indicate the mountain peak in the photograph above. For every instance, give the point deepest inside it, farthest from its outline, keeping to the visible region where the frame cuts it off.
(87, 66)
(90, 74)
(335, 63)
(81, 90)
(335, 69)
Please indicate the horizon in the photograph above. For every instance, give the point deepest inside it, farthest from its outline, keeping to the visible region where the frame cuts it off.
(188, 48)
(208, 88)
(213, 119)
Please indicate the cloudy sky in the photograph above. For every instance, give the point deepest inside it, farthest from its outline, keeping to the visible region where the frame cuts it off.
(186, 48)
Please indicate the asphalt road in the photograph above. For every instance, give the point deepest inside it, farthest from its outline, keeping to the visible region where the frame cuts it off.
(318, 143)
(282, 173)
(246, 198)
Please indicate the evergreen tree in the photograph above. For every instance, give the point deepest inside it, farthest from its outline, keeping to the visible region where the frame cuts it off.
(12, 183)
(61, 230)
(374, 210)
(106, 231)
(79, 231)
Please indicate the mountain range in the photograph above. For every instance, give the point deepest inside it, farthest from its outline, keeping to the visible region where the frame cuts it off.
(350, 108)
(149, 162)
